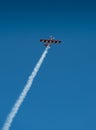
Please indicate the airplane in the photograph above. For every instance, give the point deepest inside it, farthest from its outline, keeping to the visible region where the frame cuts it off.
(49, 42)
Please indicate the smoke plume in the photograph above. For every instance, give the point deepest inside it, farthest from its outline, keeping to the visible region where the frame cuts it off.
(23, 94)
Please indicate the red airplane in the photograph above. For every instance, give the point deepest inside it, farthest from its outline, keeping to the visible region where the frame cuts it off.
(50, 41)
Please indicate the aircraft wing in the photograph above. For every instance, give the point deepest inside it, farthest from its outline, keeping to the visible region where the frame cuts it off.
(57, 41)
(50, 41)
(44, 40)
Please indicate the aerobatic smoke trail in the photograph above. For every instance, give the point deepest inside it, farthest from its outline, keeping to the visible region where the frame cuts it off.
(23, 94)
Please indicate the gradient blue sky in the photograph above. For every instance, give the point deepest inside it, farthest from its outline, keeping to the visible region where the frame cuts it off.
(63, 96)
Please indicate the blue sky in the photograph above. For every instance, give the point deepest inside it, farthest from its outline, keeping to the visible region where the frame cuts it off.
(63, 94)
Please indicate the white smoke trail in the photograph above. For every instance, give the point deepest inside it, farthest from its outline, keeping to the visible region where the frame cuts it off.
(27, 87)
